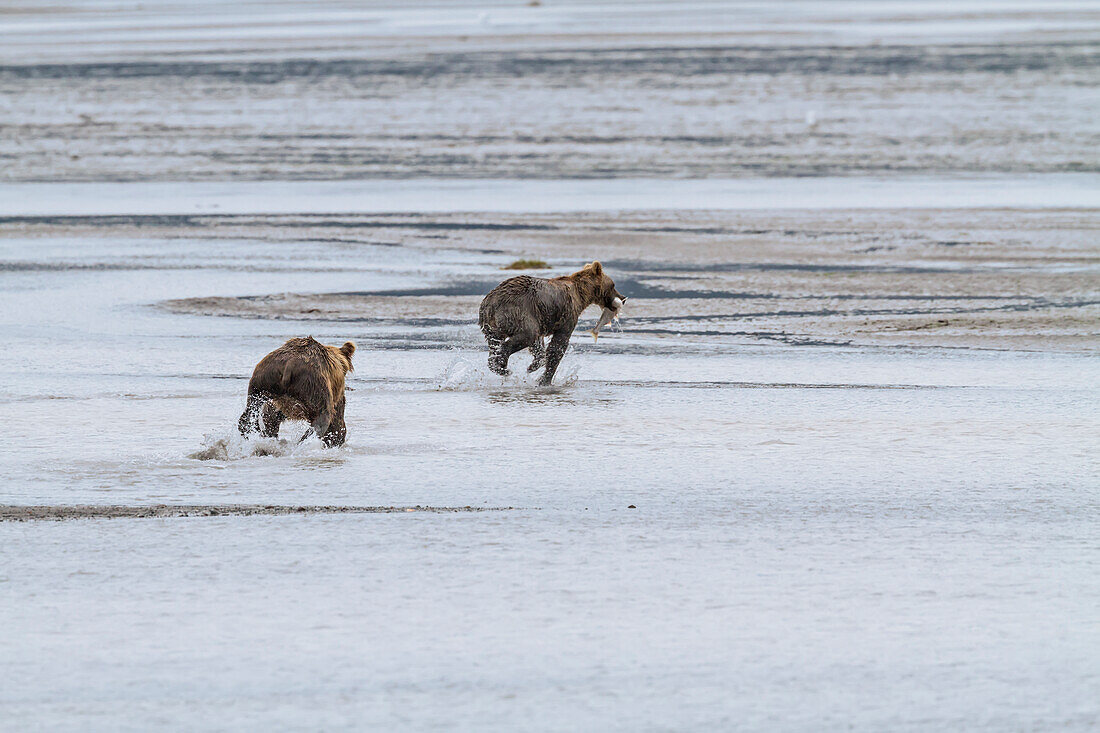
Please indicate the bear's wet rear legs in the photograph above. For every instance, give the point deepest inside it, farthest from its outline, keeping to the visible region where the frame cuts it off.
(545, 357)
(495, 344)
(249, 421)
(500, 350)
(332, 431)
(337, 430)
(261, 416)
(498, 363)
(271, 418)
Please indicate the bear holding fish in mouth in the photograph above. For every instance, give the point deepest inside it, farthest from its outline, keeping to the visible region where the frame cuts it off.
(522, 311)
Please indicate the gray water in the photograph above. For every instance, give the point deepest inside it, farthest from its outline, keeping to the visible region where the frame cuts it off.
(702, 533)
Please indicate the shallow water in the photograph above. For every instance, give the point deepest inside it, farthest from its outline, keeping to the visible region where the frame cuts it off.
(116, 394)
(705, 533)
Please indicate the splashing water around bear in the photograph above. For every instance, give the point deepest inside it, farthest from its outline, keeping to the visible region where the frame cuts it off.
(233, 446)
(461, 374)
(465, 375)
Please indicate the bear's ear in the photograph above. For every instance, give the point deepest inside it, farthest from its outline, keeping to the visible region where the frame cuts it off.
(595, 268)
(348, 349)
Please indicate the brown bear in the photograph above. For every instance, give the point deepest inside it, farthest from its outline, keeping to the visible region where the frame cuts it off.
(521, 311)
(301, 380)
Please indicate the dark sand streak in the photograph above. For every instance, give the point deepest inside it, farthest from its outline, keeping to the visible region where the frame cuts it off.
(11, 513)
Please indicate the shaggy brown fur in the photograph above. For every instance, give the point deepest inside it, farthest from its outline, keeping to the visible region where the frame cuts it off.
(521, 311)
(301, 380)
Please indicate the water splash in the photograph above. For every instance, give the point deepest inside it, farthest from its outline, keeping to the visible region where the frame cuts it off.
(567, 377)
(462, 374)
(233, 446)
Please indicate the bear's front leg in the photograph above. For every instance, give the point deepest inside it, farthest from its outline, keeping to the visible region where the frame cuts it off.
(558, 344)
(538, 351)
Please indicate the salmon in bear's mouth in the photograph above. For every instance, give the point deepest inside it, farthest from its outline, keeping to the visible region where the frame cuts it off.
(608, 315)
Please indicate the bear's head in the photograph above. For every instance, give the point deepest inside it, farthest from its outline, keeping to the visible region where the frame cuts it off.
(604, 293)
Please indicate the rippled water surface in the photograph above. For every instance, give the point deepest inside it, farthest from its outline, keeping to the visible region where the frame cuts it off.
(701, 533)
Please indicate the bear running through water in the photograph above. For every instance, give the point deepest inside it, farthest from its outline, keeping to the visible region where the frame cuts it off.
(521, 311)
(301, 380)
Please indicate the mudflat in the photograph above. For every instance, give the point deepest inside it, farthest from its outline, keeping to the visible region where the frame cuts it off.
(11, 513)
(988, 278)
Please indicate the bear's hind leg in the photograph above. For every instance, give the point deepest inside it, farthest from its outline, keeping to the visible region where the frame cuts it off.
(250, 418)
(271, 418)
(498, 360)
(337, 429)
(497, 363)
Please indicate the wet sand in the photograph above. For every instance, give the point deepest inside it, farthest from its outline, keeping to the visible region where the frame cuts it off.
(744, 91)
(991, 279)
(667, 113)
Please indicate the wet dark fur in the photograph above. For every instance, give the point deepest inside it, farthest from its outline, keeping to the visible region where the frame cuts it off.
(522, 311)
(301, 380)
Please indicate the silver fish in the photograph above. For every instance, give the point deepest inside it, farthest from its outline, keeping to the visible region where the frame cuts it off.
(608, 315)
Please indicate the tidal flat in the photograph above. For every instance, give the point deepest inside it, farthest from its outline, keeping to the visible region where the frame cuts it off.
(836, 467)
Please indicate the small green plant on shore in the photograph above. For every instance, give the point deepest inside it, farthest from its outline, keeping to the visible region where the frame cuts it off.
(526, 265)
